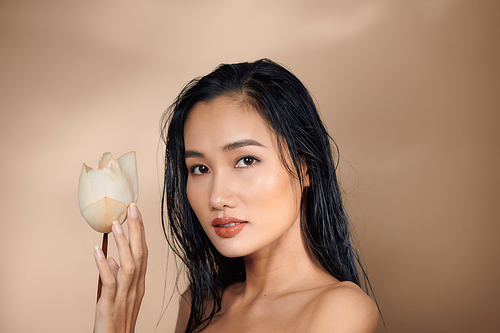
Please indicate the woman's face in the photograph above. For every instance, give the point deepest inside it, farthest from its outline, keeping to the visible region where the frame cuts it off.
(244, 198)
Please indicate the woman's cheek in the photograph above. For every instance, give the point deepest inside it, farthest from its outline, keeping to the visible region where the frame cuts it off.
(194, 196)
(265, 191)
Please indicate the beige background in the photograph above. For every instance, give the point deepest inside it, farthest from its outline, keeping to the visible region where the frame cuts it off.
(408, 89)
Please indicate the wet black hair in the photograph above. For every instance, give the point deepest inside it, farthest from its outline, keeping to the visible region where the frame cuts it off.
(285, 103)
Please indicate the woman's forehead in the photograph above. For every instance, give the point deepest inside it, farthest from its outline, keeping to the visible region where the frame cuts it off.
(225, 118)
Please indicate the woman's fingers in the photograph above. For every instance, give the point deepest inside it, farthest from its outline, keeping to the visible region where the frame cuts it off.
(138, 246)
(107, 278)
(126, 261)
(114, 267)
(124, 284)
(137, 237)
(139, 251)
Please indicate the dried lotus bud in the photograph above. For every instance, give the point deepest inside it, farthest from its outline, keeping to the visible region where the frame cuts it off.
(105, 191)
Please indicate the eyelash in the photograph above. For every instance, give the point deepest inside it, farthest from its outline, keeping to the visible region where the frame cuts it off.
(254, 160)
(193, 169)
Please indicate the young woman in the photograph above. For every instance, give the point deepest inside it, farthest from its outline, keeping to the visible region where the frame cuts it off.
(253, 210)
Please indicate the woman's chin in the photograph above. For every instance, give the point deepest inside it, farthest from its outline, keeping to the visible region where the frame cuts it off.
(231, 253)
(231, 249)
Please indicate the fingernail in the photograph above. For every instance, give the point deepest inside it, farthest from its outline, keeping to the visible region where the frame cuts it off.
(98, 252)
(134, 212)
(117, 228)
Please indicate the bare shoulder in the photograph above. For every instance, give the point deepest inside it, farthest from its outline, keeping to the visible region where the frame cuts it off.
(343, 307)
(184, 312)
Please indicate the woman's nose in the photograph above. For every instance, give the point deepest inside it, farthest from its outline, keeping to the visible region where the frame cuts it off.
(221, 195)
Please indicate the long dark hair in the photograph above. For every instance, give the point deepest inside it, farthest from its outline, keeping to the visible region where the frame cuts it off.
(285, 103)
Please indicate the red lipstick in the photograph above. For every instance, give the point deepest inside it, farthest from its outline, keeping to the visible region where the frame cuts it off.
(228, 226)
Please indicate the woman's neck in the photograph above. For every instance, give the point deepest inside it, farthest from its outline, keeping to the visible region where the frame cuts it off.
(285, 266)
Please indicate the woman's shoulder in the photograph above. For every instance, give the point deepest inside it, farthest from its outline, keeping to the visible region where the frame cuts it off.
(336, 307)
(185, 310)
(343, 307)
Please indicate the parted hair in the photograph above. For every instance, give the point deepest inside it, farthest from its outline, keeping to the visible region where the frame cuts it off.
(285, 103)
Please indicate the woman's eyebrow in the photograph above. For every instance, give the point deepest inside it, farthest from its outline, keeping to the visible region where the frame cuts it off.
(242, 143)
(228, 147)
(192, 153)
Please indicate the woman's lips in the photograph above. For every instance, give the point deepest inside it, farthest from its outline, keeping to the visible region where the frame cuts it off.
(228, 226)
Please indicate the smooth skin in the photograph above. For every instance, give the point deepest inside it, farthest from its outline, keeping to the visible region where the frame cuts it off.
(122, 287)
(235, 170)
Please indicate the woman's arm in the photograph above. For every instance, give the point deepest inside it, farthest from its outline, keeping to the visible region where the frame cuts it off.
(122, 287)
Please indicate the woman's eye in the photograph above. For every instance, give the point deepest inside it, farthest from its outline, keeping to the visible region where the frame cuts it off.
(199, 169)
(246, 162)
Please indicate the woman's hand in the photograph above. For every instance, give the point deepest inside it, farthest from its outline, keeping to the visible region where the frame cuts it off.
(122, 287)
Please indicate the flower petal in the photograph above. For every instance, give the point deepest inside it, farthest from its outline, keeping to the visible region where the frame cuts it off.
(86, 195)
(129, 166)
(104, 160)
(120, 189)
(101, 214)
(100, 182)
